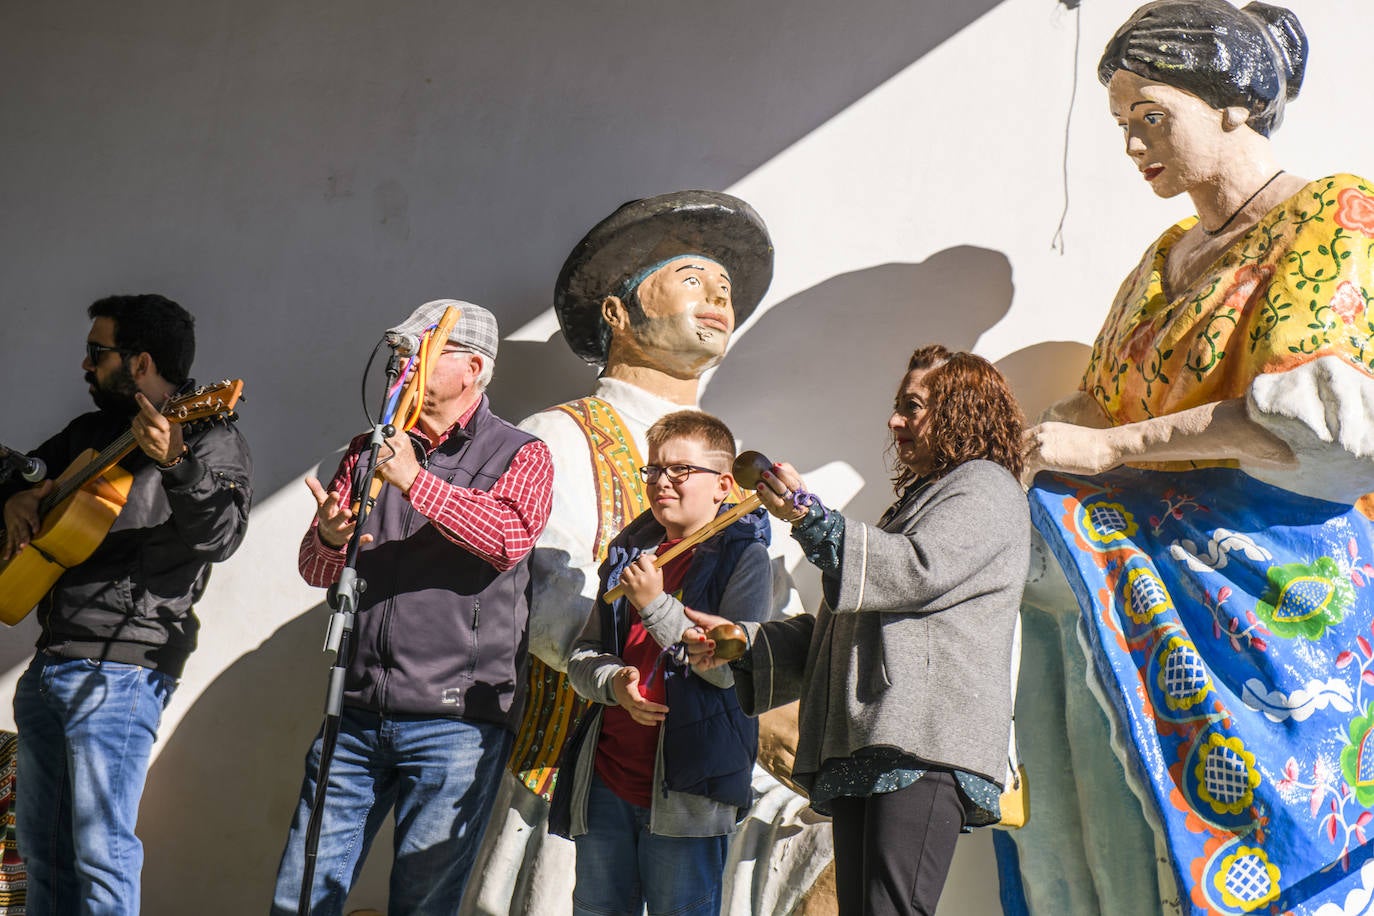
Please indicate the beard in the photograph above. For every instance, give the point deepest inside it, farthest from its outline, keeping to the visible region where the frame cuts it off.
(116, 393)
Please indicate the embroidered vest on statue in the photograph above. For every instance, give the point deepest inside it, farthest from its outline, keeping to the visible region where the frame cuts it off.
(553, 709)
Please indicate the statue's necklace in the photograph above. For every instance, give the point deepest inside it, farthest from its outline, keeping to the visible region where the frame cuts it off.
(1232, 218)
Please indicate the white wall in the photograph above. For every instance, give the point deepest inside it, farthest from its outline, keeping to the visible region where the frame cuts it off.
(301, 173)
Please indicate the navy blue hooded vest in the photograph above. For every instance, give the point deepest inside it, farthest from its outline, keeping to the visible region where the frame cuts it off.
(439, 631)
(709, 744)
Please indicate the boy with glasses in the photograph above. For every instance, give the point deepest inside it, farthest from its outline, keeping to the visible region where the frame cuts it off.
(656, 780)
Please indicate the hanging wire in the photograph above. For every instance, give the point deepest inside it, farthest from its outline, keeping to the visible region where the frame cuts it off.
(1057, 243)
(366, 370)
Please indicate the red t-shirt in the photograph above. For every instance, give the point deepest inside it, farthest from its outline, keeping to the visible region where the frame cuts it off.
(626, 751)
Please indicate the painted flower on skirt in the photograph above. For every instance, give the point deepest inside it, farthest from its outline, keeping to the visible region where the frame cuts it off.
(1357, 759)
(1106, 522)
(1183, 675)
(1355, 211)
(1347, 302)
(1247, 879)
(1304, 599)
(1226, 774)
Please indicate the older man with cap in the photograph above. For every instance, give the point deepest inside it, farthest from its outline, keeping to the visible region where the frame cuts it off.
(651, 294)
(433, 693)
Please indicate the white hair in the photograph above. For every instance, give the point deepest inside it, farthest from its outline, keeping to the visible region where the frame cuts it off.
(488, 368)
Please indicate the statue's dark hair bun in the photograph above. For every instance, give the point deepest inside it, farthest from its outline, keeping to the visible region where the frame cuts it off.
(1285, 30)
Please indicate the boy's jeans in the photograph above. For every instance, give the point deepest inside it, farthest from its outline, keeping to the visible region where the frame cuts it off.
(441, 776)
(621, 866)
(86, 732)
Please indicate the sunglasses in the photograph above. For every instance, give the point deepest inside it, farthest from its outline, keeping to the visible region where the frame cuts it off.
(676, 473)
(94, 350)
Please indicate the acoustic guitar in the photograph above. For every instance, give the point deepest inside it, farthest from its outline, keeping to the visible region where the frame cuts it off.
(89, 495)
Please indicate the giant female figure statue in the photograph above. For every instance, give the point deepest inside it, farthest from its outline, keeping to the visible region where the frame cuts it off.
(1223, 578)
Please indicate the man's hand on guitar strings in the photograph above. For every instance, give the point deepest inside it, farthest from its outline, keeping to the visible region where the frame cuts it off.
(158, 437)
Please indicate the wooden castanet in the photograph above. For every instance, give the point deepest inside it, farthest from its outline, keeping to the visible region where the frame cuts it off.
(730, 639)
(746, 470)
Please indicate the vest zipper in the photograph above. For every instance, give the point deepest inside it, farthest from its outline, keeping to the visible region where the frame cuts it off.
(476, 615)
(384, 640)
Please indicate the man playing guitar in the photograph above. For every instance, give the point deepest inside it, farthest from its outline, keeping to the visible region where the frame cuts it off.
(117, 627)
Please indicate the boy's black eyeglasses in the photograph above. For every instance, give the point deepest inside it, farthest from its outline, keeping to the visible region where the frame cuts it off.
(676, 473)
(93, 350)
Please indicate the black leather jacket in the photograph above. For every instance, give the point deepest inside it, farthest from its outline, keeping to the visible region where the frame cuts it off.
(131, 600)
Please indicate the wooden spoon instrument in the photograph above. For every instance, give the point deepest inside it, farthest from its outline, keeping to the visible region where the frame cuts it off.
(746, 470)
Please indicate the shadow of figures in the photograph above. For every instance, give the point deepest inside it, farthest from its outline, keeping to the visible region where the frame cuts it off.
(17, 643)
(229, 777)
(1044, 373)
(813, 380)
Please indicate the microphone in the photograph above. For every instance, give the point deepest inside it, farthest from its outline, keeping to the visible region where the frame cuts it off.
(32, 470)
(403, 344)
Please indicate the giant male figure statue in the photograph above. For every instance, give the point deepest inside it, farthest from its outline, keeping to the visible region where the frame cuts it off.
(652, 295)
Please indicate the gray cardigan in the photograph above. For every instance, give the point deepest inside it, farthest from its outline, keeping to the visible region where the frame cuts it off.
(915, 651)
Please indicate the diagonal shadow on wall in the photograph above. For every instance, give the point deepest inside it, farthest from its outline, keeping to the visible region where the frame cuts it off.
(813, 381)
(301, 174)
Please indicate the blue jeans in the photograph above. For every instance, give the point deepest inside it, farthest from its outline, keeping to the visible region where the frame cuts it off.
(622, 867)
(440, 776)
(86, 732)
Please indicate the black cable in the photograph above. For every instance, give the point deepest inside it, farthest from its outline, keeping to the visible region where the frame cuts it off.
(367, 369)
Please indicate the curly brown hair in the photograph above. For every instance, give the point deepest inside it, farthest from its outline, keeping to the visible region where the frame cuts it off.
(971, 414)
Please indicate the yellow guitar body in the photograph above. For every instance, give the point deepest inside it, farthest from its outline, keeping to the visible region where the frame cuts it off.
(71, 532)
(85, 501)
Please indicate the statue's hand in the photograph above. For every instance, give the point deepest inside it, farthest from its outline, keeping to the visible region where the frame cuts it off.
(1069, 449)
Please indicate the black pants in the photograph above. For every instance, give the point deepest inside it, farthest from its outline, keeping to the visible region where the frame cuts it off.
(893, 850)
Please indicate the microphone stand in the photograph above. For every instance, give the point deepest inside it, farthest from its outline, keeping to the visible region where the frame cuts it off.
(343, 598)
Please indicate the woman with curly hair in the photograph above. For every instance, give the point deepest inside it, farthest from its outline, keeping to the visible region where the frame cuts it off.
(904, 671)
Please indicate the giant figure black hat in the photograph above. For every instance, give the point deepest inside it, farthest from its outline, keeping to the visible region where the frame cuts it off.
(645, 232)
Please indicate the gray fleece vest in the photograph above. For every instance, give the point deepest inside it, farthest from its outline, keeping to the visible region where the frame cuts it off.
(439, 631)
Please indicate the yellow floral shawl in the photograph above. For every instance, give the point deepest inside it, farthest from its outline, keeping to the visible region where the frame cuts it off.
(1295, 287)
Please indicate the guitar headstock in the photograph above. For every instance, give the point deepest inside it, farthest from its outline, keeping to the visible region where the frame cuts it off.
(207, 401)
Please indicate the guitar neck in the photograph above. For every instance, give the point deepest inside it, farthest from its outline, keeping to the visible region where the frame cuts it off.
(209, 402)
(106, 459)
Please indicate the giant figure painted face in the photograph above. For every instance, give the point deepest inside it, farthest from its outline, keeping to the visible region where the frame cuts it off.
(1251, 58)
(675, 273)
(1192, 82)
(678, 318)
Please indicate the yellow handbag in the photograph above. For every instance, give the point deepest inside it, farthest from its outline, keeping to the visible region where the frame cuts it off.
(1015, 800)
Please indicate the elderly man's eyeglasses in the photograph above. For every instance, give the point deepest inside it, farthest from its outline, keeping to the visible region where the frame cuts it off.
(94, 350)
(676, 473)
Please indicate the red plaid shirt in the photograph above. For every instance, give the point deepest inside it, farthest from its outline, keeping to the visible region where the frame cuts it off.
(499, 525)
